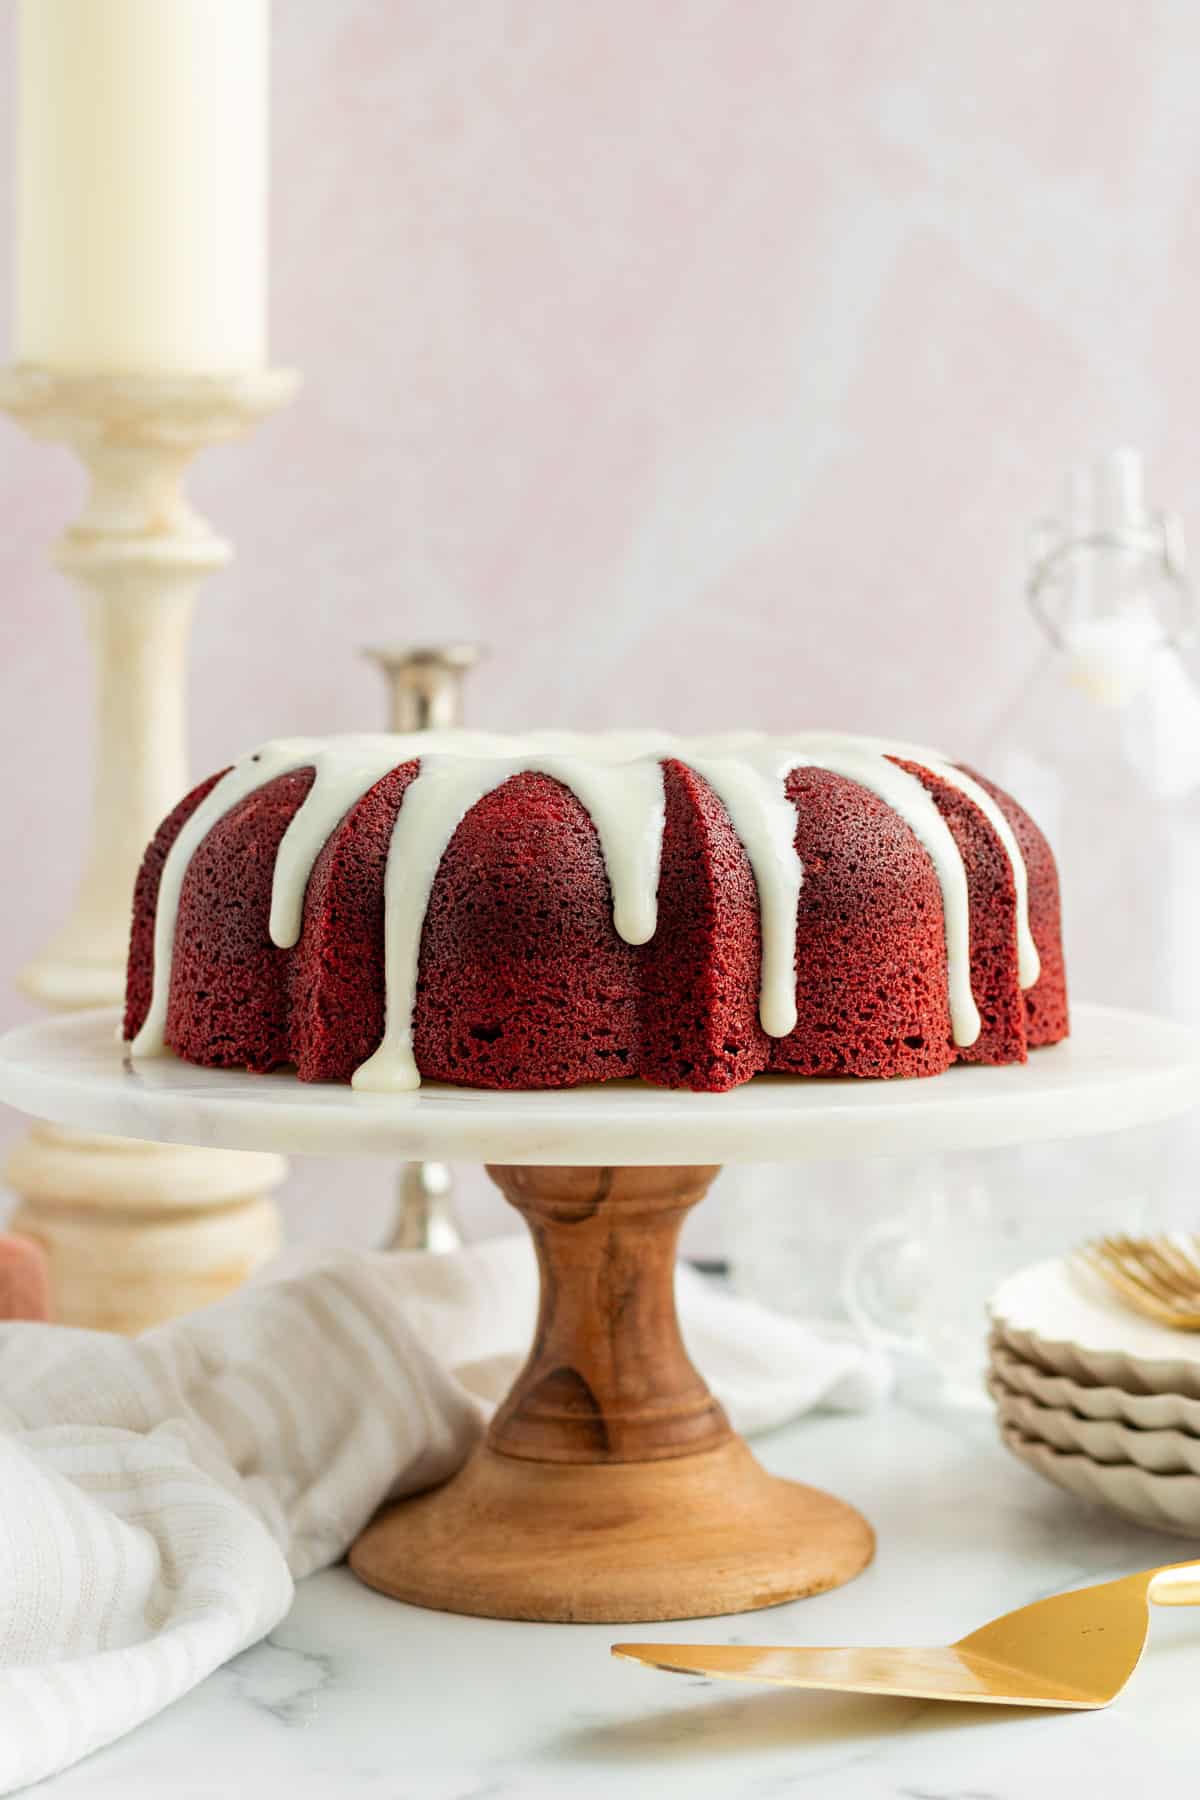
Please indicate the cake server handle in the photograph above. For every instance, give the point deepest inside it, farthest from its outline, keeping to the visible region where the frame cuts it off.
(1176, 1585)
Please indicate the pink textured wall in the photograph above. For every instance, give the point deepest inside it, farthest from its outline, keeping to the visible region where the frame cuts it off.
(705, 357)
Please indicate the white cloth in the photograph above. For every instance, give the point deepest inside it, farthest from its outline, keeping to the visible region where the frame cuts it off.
(159, 1496)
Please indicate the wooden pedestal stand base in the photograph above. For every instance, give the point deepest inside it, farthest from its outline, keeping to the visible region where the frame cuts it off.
(611, 1488)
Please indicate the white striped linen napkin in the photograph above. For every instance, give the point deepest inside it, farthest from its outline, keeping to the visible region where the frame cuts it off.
(160, 1496)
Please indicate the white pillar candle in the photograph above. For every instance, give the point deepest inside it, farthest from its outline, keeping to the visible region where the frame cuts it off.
(142, 185)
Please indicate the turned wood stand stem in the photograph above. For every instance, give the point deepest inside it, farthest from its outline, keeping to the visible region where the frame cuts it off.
(610, 1486)
(608, 1378)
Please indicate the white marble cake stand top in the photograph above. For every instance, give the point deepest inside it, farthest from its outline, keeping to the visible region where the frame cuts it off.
(1117, 1070)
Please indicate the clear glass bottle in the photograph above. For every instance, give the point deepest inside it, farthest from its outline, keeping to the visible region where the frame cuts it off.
(1102, 743)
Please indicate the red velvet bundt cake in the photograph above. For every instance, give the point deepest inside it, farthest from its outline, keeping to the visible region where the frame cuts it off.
(541, 911)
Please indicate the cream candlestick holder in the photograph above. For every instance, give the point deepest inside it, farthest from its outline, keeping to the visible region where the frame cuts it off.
(135, 1232)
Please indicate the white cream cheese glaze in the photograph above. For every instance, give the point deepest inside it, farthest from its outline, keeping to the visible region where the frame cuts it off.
(749, 785)
(617, 777)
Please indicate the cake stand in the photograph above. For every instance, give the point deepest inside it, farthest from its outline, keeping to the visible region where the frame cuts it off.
(610, 1486)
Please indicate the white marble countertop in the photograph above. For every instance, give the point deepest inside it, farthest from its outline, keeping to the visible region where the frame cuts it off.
(356, 1696)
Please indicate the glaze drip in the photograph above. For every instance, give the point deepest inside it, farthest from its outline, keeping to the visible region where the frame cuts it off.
(750, 788)
(627, 808)
(617, 778)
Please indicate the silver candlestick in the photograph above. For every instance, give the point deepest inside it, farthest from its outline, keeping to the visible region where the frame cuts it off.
(424, 694)
(423, 1217)
(424, 683)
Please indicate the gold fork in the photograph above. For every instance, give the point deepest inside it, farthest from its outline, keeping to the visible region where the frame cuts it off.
(1157, 1276)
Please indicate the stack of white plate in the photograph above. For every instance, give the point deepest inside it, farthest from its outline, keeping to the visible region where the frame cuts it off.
(1097, 1399)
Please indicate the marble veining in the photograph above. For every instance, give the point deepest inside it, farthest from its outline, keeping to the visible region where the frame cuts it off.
(355, 1696)
(281, 1679)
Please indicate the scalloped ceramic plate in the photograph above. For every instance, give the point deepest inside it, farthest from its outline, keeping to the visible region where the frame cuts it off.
(1146, 1412)
(1067, 1322)
(1104, 1440)
(1163, 1502)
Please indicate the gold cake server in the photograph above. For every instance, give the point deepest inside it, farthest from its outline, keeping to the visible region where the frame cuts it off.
(1074, 1651)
